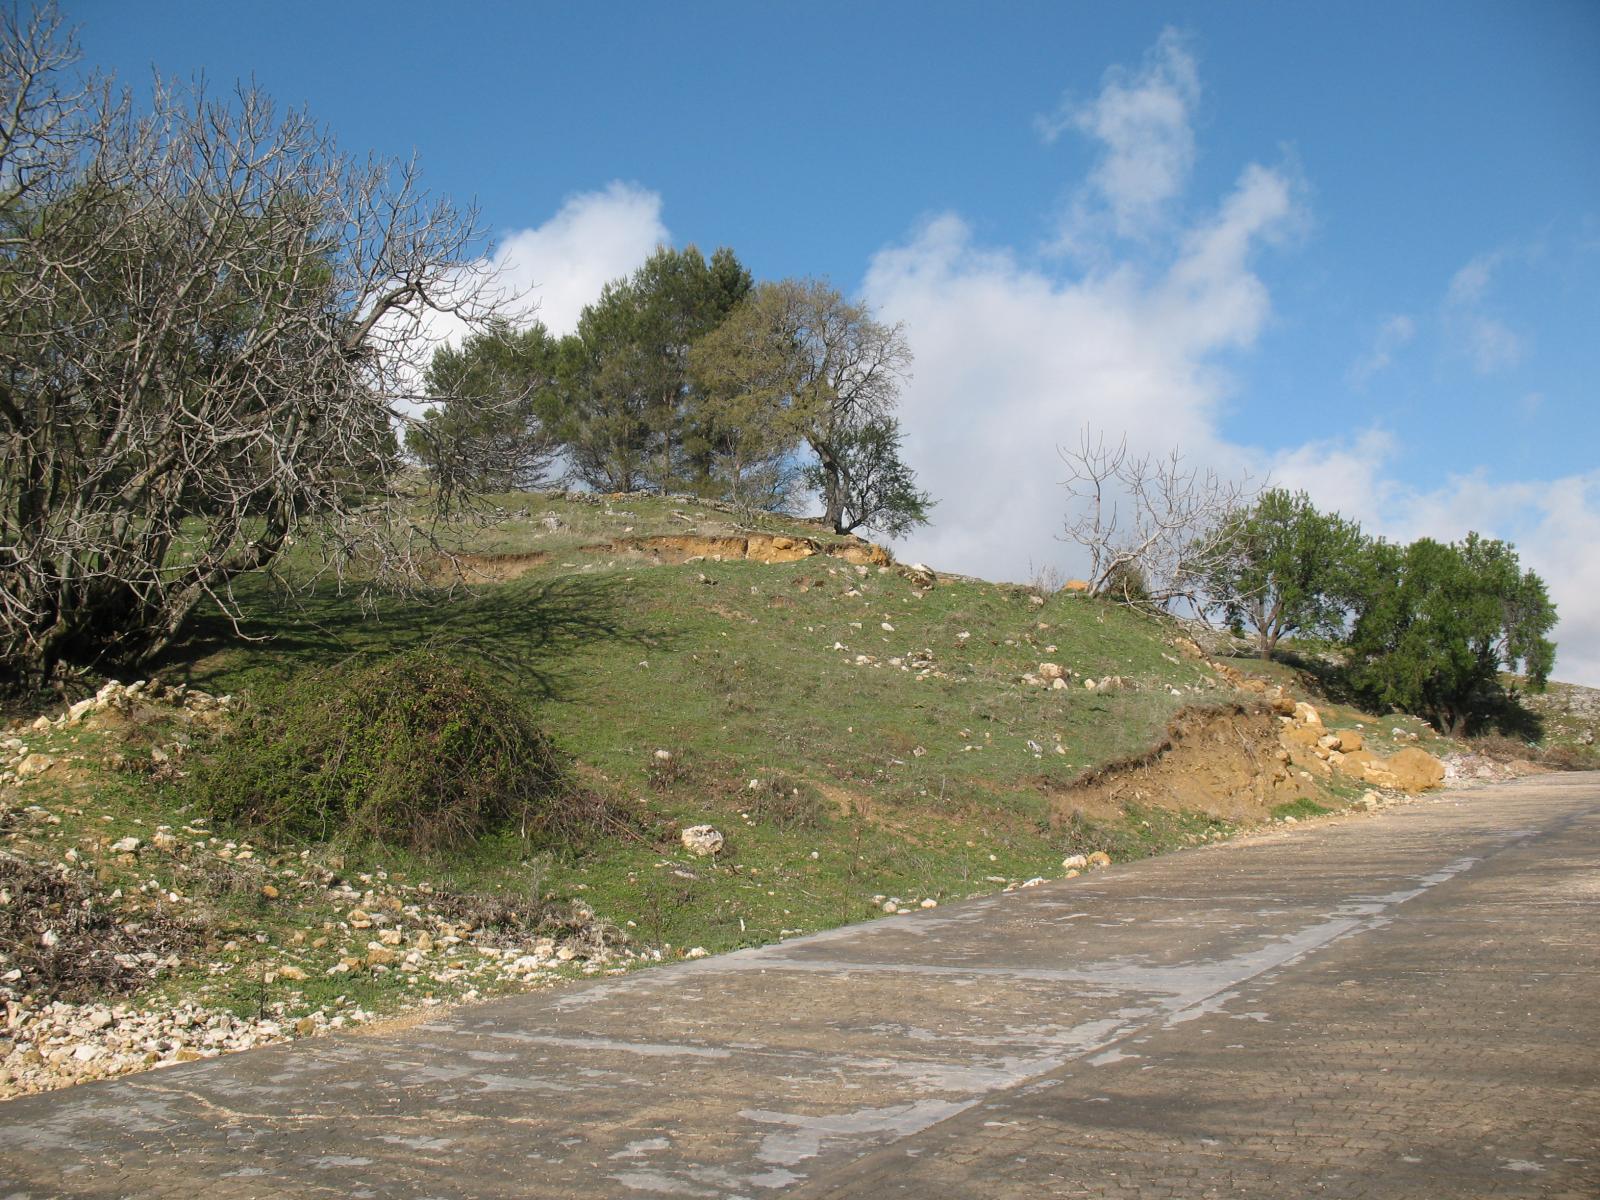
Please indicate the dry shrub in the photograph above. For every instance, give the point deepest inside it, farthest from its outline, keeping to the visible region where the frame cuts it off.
(785, 804)
(70, 944)
(417, 750)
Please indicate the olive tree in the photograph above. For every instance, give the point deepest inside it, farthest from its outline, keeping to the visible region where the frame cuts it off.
(1285, 568)
(1436, 624)
(211, 327)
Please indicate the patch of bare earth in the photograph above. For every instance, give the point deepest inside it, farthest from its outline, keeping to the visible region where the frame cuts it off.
(1226, 762)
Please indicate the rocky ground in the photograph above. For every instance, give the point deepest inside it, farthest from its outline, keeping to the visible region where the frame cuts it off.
(93, 926)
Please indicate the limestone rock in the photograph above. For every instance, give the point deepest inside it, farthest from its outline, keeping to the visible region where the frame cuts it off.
(1050, 671)
(35, 764)
(703, 840)
(1350, 739)
(1099, 859)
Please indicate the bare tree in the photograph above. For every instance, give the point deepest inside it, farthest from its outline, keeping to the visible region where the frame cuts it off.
(211, 327)
(1154, 528)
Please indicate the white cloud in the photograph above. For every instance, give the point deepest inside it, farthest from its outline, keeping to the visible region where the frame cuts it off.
(551, 271)
(1142, 121)
(1393, 335)
(561, 266)
(1013, 360)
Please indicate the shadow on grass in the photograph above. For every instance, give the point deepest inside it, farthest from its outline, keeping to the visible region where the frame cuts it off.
(1500, 713)
(533, 632)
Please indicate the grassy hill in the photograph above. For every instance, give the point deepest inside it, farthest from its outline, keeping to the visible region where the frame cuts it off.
(864, 734)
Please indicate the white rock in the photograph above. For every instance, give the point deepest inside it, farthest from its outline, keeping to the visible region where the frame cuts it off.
(702, 840)
(696, 952)
(1073, 861)
(127, 845)
(930, 902)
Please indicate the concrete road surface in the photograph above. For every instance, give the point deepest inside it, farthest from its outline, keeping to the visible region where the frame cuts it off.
(1399, 1005)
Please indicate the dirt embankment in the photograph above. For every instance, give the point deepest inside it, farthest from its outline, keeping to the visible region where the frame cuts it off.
(662, 550)
(484, 568)
(1226, 762)
(758, 547)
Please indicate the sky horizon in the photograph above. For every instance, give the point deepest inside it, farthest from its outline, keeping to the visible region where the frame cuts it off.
(1355, 249)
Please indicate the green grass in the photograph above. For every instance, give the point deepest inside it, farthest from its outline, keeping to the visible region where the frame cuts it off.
(868, 780)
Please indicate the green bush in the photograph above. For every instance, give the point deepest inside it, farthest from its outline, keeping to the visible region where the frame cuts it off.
(416, 750)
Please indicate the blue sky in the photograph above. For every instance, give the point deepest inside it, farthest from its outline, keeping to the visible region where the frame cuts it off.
(1355, 245)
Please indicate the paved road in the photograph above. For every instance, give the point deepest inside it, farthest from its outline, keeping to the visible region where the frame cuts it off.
(1402, 1005)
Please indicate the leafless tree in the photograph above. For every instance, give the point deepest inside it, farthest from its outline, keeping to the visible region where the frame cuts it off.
(211, 326)
(1154, 527)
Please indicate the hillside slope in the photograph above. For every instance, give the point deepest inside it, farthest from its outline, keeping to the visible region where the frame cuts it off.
(865, 736)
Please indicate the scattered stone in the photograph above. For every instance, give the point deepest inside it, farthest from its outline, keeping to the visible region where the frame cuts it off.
(127, 845)
(1074, 861)
(1099, 859)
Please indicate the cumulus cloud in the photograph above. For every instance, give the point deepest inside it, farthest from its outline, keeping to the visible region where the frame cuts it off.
(1142, 121)
(549, 272)
(560, 266)
(1014, 357)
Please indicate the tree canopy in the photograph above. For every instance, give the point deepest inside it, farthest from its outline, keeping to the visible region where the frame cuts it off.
(209, 325)
(1437, 622)
(819, 370)
(1287, 569)
(630, 421)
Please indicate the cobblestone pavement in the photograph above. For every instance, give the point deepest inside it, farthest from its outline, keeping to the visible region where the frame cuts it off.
(1400, 1005)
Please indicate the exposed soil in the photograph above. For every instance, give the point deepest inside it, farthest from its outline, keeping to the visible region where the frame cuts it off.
(1224, 762)
(485, 568)
(757, 547)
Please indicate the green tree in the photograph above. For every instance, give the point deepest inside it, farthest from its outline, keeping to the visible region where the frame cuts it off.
(827, 377)
(631, 421)
(1437, 622)
(1286, 569)
(499, 399)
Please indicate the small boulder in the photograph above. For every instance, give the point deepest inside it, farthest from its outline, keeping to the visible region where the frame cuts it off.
(1074, 862)
(1305, 714)
(1051, 671)
(1350, 739)
(35, 764)
(1099, 859)
(1416, 770)
(703, 840)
